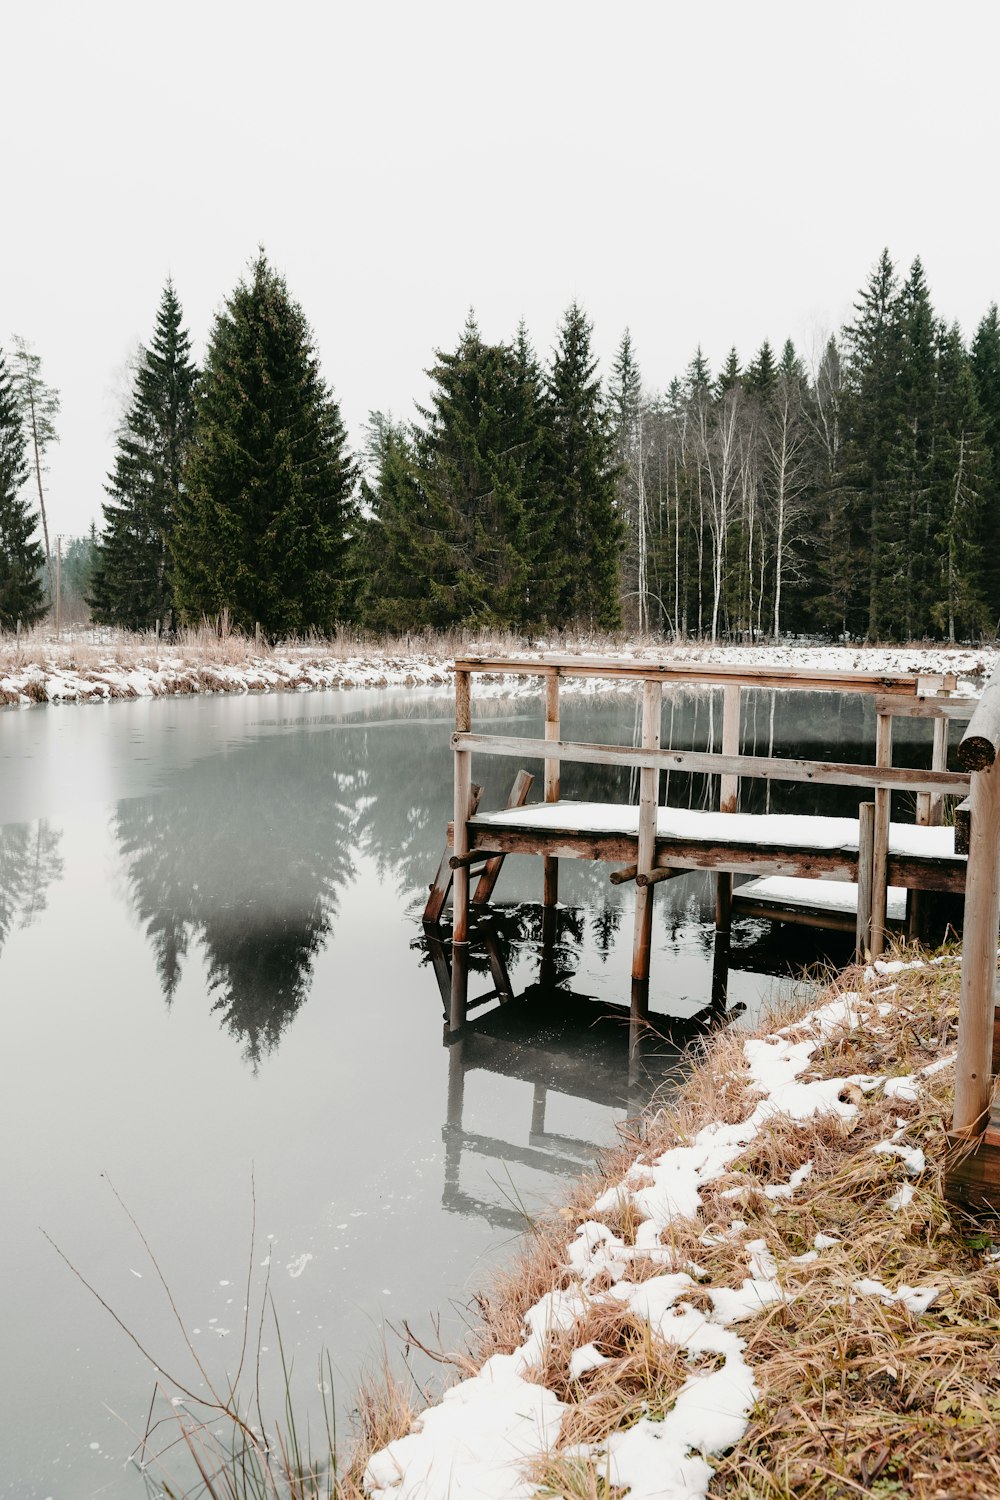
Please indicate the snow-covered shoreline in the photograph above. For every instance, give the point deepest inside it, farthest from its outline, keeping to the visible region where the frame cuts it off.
(71, 672)
(700, 1244)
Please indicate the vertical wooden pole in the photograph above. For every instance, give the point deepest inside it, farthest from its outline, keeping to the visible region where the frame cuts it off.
(729, 796)
(652, 703)
(866, 854)
(979, 956)
(930, 809)
(460, 896)
(550, 866)
(880, 854)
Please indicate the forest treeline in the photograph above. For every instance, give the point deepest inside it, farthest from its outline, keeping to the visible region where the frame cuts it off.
(859, 498)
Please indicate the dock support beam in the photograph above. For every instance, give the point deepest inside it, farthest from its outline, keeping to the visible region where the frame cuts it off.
(979, 958)
(460, 896)
(550, 865)
(729, 796)
(649, 780)
(866, 855)
(880, 856)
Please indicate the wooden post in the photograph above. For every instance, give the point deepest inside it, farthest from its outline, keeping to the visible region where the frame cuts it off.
(866, 855)
(729, 795)
(880, 852)
(652, 703)
(517, 797)
(930, 809)
(550, 866)
(460, 878)
(979, 957)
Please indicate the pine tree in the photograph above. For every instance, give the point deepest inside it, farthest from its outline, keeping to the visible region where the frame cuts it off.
(986, 373)
(731, 373)
(580, 465)
(132, 585)
(268, 503)
(761, 371)
(625, 407)
(21, 558)
(872, 416)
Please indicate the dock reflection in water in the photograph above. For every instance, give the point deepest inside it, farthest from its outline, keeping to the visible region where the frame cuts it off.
(559, 1041)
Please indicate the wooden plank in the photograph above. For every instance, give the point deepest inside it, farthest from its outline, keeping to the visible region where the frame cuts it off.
(880, 854)
(517, 797)
(729, 785)
(550, 868)
(804, 916)
(649, 779)
(979, 958)
(773, 768)
(802, 678)
(441, 884)
(866, 855)
(926, 708)
(980, 742)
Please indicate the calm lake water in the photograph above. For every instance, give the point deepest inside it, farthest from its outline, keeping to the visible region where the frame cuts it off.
(215, 988)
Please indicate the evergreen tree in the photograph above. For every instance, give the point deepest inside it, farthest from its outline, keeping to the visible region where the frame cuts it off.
(698, 376)
(986, 373)
(625, 407)
(580, 468)
(268, 499)
(21, 557)
(761, 371)
(132, 585)
(957, 478)
(730, 375)
(872, 411)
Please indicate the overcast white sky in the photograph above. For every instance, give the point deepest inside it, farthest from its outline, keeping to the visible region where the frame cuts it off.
(713, 172)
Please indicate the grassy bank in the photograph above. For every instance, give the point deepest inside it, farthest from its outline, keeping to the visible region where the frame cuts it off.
(856, 1314)
(95, 664)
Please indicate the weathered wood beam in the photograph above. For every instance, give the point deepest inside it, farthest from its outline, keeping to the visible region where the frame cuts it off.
(517, 797)
(880, 853)
(550, 867)
(981, 741)
(821, 773)
(801, 678)
(649, 779)
(926, 708)
(973, 1078)
(963, 826)
(623, 876)
(655, 877)
(866, 855)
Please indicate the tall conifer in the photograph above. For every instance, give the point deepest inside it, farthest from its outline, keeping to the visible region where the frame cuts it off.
(132, 584)
(268, 504)
(22, 557)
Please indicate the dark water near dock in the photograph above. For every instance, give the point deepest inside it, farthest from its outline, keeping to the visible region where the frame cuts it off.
(211, 967)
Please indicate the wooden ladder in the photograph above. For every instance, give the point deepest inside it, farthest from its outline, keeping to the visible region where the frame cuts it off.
(489, 866)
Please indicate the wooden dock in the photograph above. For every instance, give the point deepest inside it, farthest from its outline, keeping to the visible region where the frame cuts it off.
(650, 843)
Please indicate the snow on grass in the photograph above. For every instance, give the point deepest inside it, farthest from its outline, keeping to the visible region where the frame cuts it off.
(525, 1422)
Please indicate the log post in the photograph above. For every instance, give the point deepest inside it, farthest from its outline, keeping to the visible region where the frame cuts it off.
(550, 865)
(460, 888)
(866, 853)
(652, 704)
(880, 852)
(979, 957)
(930, 810)
(729, 795)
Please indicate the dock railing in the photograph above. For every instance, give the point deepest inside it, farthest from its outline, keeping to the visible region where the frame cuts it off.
(931, 696)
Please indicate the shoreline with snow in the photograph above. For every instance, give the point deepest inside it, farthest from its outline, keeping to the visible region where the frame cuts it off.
(754, 1294)
(91, 669)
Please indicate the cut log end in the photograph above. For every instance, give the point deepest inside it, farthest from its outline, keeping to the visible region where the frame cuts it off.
(976, 752)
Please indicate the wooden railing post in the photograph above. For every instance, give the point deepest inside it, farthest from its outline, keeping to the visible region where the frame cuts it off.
(880, 853)
(979, 957)
(649, 780)
(460, 886)
(866, 852)
(550, 866)
(729, 796)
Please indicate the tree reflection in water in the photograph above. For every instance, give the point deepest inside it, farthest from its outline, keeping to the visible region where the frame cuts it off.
(247, 852)
(29, 863)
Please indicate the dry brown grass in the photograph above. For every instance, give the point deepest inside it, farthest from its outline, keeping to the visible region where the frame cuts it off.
(857, 1397)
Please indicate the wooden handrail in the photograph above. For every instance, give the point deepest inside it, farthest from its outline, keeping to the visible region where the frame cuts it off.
(707, 762)
(980, 743)
(906, 684)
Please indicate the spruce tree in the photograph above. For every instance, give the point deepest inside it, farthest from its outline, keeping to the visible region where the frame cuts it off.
(731, 373)
(581, 471)
(625, 408)
(268, 502)
(761, 371)
(21, 557)
(986, 373)
(132, 584)
(957, 477)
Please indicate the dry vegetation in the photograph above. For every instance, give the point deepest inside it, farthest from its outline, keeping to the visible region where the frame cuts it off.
(857, 1397)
